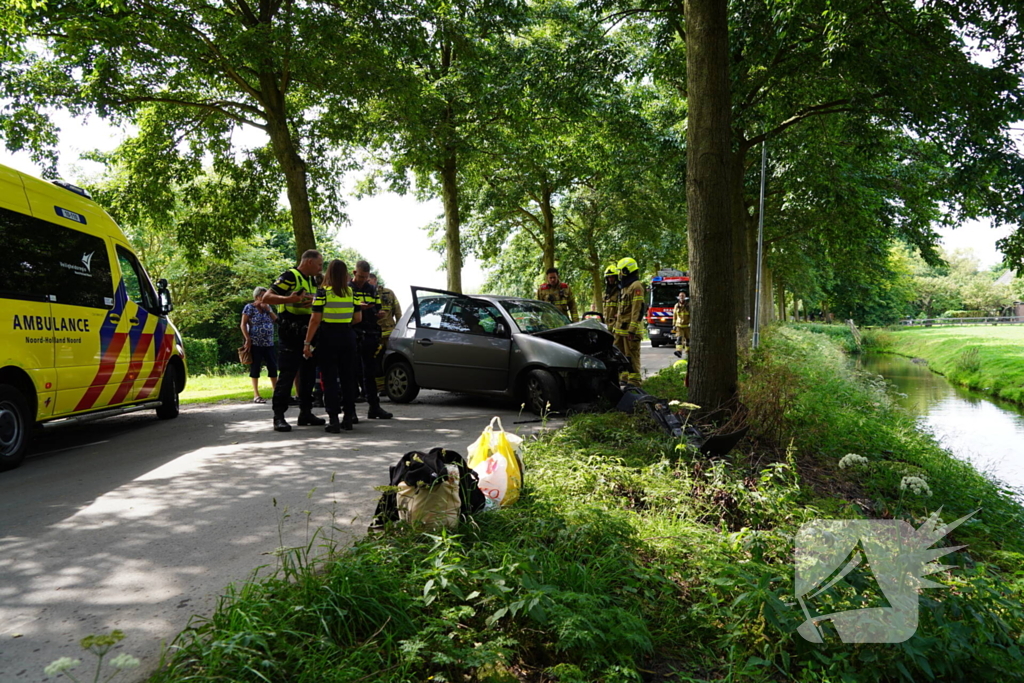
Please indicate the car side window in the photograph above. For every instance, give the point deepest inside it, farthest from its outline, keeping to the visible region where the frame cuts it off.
(431, 310)
(40, 260)
(136, 282)
(471, 316)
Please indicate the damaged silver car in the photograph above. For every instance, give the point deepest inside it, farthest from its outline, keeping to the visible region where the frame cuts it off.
(520, 348)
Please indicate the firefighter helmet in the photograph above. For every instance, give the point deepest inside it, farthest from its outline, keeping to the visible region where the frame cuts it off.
(628, 266)
(611, 270)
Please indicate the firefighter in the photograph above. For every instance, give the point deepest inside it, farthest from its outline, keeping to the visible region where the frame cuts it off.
(611, 308)
(368, 338)
(681, 324)
(558, 293)
(390, 312)
(631, 316)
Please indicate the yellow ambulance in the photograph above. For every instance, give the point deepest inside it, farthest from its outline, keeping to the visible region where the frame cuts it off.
(83, 332)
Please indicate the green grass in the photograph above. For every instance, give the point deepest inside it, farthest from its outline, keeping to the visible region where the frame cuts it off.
(212, 388)
(630, 557)
(985, 358)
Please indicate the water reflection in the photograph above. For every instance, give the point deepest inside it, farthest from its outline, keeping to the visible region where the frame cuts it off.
(971, 426)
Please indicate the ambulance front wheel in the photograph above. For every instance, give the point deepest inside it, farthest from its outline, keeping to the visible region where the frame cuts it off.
(15, 427)
(169, 394)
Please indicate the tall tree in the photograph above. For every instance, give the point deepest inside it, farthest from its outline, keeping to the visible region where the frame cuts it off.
(709, 195)
(289, 69)
(452, 87)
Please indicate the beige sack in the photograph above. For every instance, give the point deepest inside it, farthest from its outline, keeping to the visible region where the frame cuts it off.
(431, 507)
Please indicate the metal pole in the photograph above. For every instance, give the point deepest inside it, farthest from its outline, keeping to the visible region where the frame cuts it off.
(760, 248)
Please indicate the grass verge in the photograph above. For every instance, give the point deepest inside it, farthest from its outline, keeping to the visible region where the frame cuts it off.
(212, 388)
(985, 358)
(632, 558)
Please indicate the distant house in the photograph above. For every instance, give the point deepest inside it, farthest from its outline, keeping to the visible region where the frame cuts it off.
(1006, 278)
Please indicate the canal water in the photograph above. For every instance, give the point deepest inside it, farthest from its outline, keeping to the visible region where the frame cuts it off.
(973, 427)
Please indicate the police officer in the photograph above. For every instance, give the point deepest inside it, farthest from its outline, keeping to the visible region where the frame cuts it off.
(558, 293)
(390, 312)
(368, 338)
(294, 291)
(681, 324)
(333, 315)
(631, 316)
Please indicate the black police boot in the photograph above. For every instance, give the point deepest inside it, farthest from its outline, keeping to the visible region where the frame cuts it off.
(334, 427)
(310, 420)
(281, 424)
(677, 354)
(378, 413)
(346, 423)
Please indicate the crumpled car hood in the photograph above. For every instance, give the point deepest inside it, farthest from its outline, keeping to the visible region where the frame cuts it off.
(587, 336)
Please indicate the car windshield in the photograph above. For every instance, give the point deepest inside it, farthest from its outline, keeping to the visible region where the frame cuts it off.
(534, 316)
(666, 295)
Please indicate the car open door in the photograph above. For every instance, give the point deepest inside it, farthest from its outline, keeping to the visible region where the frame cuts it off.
(461, 343)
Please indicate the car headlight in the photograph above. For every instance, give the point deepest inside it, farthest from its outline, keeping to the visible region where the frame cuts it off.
(655, 331)
(591, 363)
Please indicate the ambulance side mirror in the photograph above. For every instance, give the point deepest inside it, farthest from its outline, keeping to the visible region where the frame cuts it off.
(163, 295)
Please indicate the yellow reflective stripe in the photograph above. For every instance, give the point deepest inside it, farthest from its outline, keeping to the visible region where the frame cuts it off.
(338, 309)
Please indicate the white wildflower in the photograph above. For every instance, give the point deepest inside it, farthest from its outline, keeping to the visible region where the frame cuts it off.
(61, 665)
(124, 661)
(852, 459)
(916, 485)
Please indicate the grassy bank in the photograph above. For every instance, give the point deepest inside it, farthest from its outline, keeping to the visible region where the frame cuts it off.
(632, 558)
(985, 358)
(219, 387)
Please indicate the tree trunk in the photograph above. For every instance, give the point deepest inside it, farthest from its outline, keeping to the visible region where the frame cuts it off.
(796, 308)
(742, 263)
(452, 236)
(292, 165)
(549, 226)
(782, 300)
(767, 287)
(713, 371)
(596, 272)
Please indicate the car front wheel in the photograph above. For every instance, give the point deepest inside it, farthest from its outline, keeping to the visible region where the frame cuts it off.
(544, 393)
(15, 427)
(169, 406)
(399, 383)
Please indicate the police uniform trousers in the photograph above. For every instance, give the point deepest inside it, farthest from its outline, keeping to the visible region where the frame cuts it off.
(336, 346)
(368, 343)
(290, 363)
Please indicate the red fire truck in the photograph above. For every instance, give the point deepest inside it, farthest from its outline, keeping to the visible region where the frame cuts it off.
(665, 288)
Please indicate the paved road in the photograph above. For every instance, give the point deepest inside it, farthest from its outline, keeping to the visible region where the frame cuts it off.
(137, 524)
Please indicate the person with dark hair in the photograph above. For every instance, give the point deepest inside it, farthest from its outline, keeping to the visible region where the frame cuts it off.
(368, 338)
(294, 291)
(558, 293)
(334, 314)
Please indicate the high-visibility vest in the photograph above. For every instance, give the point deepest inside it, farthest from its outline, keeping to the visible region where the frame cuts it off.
(302, 285)
(336, 309)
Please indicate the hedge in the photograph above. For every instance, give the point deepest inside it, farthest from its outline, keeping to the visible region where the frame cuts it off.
(201, 355)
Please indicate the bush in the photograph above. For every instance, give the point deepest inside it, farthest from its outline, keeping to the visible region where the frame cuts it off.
(201, 355)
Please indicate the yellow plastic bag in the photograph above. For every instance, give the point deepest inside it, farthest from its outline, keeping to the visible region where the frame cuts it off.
(495, 458)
